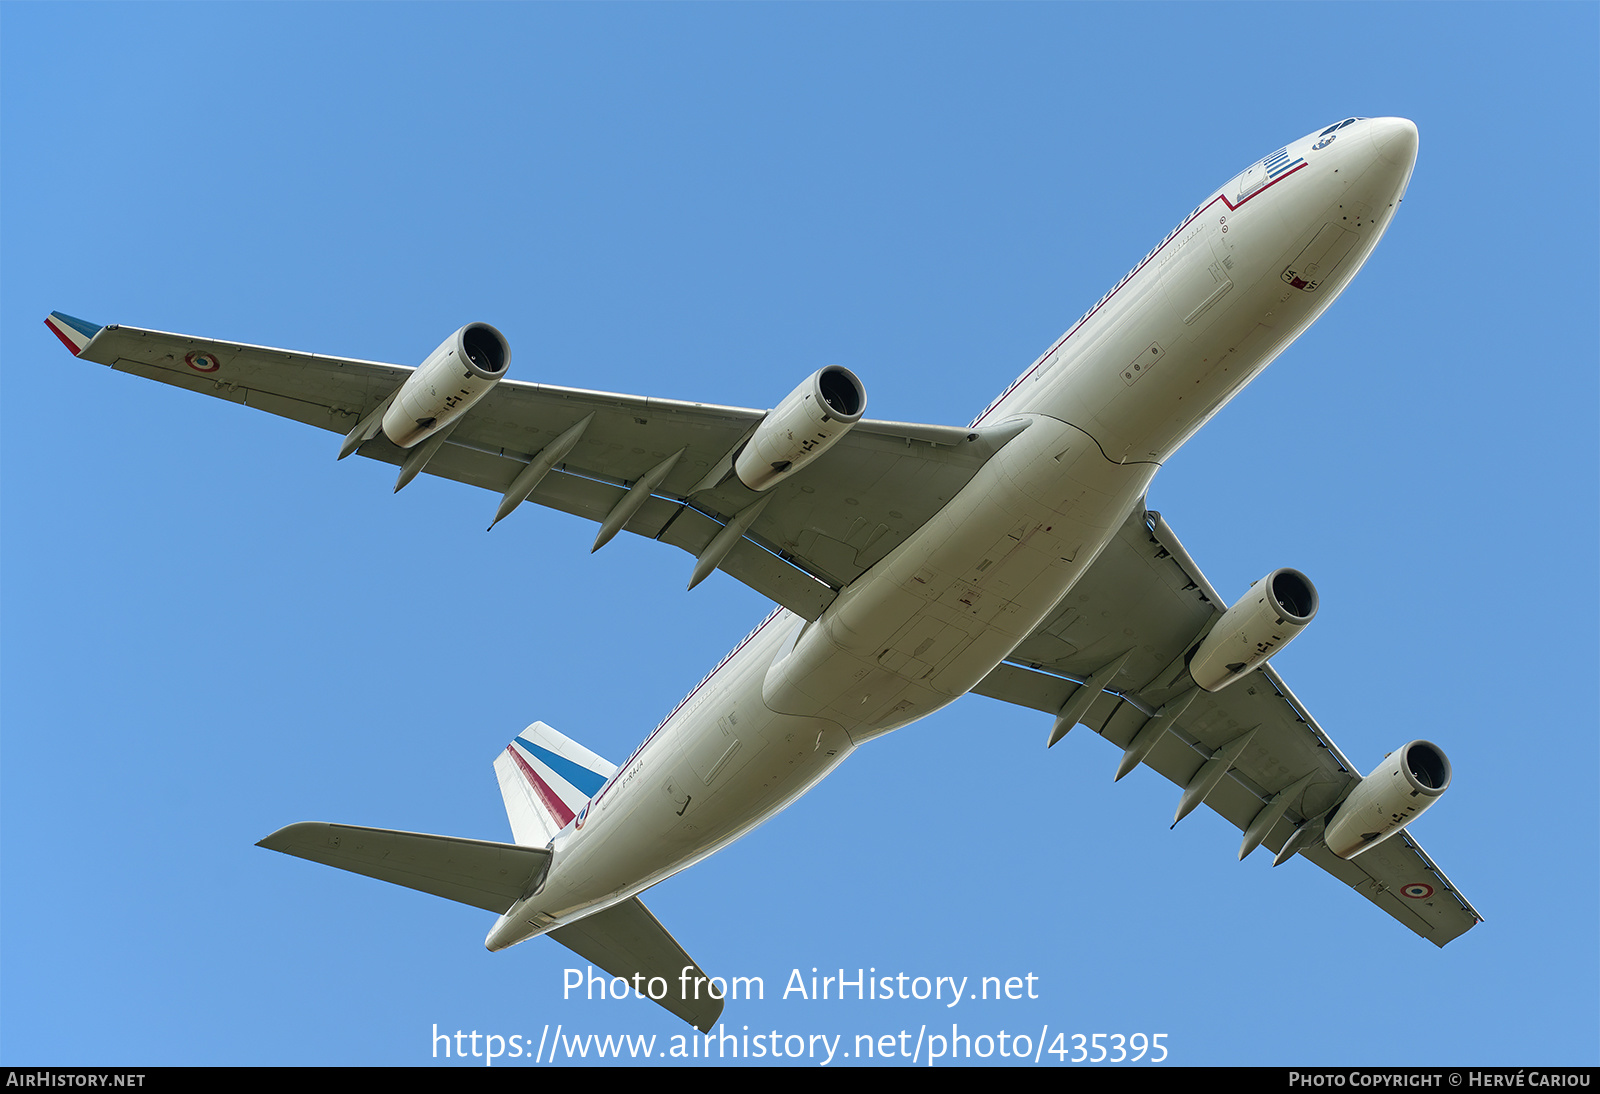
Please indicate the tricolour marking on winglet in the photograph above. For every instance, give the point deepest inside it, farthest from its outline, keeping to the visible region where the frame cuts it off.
(74, 333)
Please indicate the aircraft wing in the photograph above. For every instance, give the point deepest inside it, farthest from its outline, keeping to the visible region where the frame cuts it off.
(819, 530)
(1144, 594)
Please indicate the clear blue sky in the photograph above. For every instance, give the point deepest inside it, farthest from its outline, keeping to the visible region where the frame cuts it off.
(212, 629)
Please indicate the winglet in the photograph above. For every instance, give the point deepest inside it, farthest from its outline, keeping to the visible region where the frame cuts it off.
(74, 333)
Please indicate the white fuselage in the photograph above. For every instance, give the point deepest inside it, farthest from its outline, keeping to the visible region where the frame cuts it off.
(1179, 335)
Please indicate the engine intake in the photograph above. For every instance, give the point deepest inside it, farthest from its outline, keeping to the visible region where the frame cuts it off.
(808, 422)
(446, 385)
(1397, 792)
(1264, 620)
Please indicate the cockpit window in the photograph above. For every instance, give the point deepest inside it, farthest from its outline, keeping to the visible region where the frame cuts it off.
(1337, 125)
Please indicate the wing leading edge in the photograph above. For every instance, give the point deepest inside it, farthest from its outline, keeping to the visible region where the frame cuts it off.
(1237, 750)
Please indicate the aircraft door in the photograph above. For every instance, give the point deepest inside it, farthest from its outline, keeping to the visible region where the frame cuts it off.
(1198, 276)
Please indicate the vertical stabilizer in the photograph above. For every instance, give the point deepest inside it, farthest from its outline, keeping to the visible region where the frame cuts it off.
(546, 779)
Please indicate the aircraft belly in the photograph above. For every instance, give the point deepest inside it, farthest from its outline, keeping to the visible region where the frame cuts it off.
(935, 616)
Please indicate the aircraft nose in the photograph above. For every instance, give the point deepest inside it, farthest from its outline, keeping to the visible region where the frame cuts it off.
(1395, 140)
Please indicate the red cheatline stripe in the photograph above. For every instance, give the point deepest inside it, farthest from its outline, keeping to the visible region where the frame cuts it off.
(550, 799)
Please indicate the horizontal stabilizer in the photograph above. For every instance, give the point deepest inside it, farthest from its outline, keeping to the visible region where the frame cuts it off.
(491, 876)
(626, 939)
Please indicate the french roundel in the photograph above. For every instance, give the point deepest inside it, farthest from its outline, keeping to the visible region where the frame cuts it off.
(202, 362)
(1418, 891)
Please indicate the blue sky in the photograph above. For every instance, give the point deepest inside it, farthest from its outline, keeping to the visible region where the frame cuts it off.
(212, 629)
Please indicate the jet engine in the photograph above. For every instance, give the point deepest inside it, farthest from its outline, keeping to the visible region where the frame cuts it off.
(1408, 781)
(445, 386)
(1264, 620)
(805, 425)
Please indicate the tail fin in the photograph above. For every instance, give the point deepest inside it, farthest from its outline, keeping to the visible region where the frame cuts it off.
(546, 779)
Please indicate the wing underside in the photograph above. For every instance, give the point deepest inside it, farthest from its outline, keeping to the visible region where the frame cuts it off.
(817, 532)
(1148, 584)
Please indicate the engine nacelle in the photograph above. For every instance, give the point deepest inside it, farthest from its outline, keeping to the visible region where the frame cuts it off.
(1396, 793)
(445, 386)
(1263, 621)
(802, 427)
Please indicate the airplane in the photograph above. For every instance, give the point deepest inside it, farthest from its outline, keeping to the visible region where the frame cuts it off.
(910, 565)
